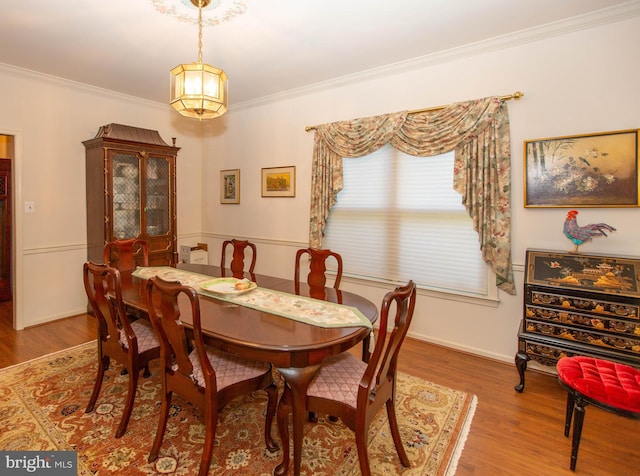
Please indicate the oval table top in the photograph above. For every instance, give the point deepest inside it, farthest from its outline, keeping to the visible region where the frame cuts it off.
(261, 335)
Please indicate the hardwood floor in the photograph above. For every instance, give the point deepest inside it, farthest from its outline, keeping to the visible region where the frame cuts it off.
(32, 342)
(511, 433)
(523, 433)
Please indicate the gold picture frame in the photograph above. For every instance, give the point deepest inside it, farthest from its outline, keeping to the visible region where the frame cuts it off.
(230, 186)
(590, 170)
(279, 181)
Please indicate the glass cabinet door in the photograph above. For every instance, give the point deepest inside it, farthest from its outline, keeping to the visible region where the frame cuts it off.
(126, 196)
(157, 196)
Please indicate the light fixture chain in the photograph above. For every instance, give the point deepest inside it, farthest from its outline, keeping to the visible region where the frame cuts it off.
(200, 31)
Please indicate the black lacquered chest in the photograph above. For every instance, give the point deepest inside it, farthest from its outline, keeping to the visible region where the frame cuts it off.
(579, 304)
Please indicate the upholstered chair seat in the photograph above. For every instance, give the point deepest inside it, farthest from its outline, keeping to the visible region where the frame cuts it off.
(611, 386)
(230, 369)
(338, 379)
(143, 330)
(608, 382)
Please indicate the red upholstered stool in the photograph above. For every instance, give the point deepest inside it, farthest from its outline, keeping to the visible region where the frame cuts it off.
(608, 385)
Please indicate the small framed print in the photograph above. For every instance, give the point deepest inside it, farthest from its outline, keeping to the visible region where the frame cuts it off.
(279, 181)
(591, 170)
(230, 186)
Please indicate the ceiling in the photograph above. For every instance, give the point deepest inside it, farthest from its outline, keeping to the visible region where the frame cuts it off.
(129, 46)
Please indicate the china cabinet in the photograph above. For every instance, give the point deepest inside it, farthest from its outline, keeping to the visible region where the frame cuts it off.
(579, 304)
(131, 191)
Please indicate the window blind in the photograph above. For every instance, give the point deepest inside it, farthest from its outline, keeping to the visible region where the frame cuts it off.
(398, 218)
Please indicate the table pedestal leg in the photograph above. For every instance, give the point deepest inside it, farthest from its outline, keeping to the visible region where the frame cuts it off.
(298, 379)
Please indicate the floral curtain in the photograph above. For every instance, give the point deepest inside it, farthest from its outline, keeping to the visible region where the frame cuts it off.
(479, 133)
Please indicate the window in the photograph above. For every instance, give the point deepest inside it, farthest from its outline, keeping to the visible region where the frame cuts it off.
(398, 218)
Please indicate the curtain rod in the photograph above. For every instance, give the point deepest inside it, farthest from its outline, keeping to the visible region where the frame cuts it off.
(516, 95)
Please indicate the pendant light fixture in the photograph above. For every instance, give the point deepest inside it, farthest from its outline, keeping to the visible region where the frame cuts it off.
(199, 90)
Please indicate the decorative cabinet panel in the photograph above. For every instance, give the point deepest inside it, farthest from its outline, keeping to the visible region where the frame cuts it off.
(131, 191)
(579, 304)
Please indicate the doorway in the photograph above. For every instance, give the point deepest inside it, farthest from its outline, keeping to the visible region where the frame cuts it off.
(7, 155)
(5, 229)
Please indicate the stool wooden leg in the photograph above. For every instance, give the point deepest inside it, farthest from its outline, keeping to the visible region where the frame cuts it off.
(570, 405)
(577, 431)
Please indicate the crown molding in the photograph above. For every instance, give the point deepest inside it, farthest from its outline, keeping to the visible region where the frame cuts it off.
(605, 16)
(77, 86)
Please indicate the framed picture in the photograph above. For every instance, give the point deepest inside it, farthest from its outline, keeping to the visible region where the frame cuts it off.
(230, 186)
(279, 181)
(592, 170)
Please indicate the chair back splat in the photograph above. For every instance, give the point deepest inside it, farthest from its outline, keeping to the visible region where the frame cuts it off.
(203, 375)
(316, 278)
(131, 343)
(238, 258)
(355, 391)
(174, 347)
(125, 255)
(384, 361)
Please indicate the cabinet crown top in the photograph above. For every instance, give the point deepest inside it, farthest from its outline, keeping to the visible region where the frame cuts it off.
(130, 134)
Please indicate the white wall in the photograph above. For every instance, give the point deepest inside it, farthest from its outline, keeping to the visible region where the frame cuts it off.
(50, 118)
(575, 82)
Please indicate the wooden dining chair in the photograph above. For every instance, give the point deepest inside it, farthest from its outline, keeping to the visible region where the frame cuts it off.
(316, 278)
(132, 344)
(125, 255)
(355, 391)
(238, 258)
(206, 377)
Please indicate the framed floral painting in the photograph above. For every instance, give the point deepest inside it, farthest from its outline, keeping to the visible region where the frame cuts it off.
(230, 186)
(591, 170)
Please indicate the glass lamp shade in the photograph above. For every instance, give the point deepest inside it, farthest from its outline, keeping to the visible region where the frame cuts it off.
(199, 90)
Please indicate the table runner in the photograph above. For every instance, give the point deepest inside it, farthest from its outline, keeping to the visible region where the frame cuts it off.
(300, 308)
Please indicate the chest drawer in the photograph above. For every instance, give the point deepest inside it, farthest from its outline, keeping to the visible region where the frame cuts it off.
(593, 304)
(595, 321)
(587, 336)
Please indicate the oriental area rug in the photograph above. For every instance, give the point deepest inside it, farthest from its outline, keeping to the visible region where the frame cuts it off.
(42, 405)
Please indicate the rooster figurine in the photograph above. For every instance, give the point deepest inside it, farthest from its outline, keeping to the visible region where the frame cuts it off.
(583, 234)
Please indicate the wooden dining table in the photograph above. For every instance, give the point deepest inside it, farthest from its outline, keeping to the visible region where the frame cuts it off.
(296, 349)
